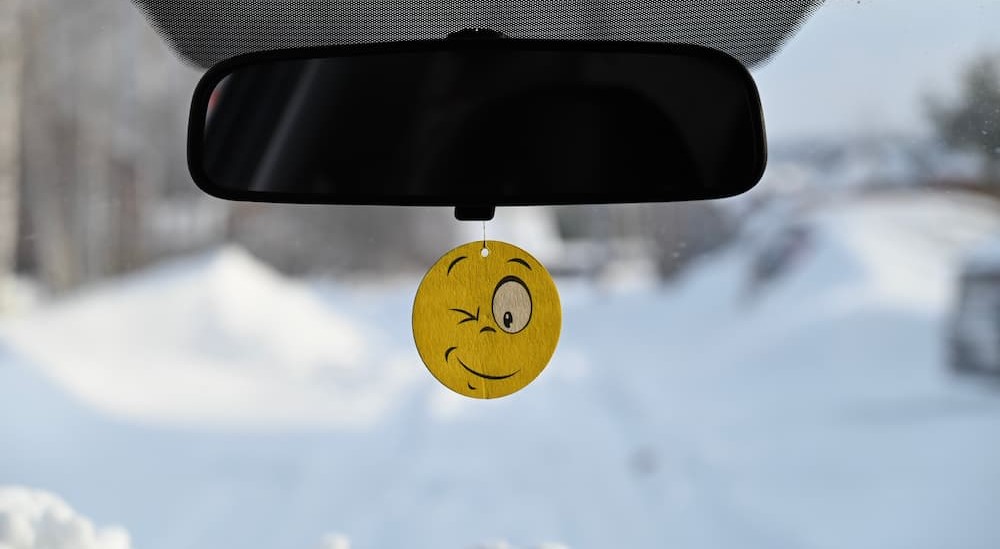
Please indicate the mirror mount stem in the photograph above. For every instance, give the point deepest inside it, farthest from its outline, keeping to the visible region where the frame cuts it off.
(474, 213)
(476, 34)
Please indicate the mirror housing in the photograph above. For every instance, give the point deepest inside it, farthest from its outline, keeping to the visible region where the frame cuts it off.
(478, 123)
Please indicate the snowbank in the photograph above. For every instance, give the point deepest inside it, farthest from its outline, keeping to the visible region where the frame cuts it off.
(217, 340)
(33, 519)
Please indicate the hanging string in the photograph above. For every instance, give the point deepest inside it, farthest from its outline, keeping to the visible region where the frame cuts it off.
(486, 251)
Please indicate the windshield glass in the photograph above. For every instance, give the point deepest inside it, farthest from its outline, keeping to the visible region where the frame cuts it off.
(811, 364)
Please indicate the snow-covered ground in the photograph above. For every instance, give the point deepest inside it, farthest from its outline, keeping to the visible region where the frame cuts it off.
(34, 519)
(213, 403)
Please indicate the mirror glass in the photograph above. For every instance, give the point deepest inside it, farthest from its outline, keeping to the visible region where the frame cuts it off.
(450, 123)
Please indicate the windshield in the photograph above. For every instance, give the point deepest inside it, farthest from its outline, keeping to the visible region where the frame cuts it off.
(811, 364)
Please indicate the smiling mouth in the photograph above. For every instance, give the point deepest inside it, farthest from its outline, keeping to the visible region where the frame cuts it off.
(447, 354)
(484, 376)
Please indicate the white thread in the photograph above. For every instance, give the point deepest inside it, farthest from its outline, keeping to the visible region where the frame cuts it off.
(485, 251)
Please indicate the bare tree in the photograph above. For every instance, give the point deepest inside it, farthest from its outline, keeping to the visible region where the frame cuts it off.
(47, 134)
(11, 66)
(972, 121)
(102, 137)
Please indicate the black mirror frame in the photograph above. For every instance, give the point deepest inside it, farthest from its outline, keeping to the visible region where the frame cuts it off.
(211, 78)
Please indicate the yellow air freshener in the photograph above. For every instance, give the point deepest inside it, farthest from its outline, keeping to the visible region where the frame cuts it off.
(486, 319)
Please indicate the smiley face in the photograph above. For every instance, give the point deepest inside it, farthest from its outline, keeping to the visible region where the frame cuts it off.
(486, 325)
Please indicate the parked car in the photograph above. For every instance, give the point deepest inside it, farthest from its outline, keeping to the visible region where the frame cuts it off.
(974, 330)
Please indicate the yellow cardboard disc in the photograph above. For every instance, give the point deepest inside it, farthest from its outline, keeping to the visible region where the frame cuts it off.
(486, 325)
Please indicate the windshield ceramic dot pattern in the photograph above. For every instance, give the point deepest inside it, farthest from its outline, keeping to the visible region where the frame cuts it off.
(204, 33)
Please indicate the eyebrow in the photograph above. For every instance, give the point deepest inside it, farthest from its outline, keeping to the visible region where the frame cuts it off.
(457, 259)
(519, 261)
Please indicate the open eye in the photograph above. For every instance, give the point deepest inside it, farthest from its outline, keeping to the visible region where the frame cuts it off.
(511, 305)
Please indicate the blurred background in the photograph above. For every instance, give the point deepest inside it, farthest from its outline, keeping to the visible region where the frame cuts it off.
(808, 365)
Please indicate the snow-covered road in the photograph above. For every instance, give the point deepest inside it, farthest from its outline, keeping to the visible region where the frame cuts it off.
(213, 403)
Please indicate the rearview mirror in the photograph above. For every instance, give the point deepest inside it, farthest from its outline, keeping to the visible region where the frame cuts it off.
(478, 123)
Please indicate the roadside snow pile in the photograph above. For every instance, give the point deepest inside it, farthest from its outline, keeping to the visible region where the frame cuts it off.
(33, 519)
(18, 295)
(789, 391)
(220, 339)
(898, 253)
(853, 300)
(910, 245)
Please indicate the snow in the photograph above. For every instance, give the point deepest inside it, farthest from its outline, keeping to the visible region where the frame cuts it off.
(335, 541)
(194, 342)
(985, 258)
(34, 519)
(214, 403)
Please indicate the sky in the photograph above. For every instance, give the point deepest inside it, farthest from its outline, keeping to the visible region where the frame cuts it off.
(866, 66)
